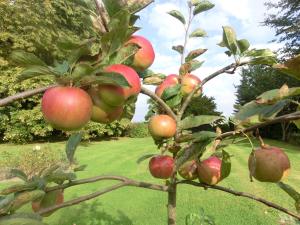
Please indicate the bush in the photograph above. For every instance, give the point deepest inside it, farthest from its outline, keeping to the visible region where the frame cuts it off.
(138, 130)
(31, 161)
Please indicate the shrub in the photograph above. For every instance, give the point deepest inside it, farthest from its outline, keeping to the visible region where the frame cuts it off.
(31, 161)
(138, 130)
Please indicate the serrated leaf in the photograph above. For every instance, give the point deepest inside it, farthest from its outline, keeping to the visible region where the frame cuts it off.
(264, 111)
(35, 71)
(226, 165)
(243, 45)
(229, 40)
(174, 101)
(194, 54)
(198, 33)
(178, 48)
(196, 121)
(203, 6)
(171, 91)
(72, 145)
(261, 57)
(106, 78)
(19, 173)
(178, 15)
(144, 157)
(23, 58)
(290, 67)
(135, 6)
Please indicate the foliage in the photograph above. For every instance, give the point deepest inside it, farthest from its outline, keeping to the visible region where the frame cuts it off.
(32, 161)
(285, 19)
(138, 130)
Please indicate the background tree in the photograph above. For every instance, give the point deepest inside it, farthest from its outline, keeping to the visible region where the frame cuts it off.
(286, 21)
(258, 79)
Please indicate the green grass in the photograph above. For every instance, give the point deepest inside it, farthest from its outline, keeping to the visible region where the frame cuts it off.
(136, 206)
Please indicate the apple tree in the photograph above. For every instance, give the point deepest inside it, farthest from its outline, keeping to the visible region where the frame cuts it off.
(100, 81)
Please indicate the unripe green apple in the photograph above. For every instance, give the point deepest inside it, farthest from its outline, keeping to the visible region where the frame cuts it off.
(145, 56)
(271, 164)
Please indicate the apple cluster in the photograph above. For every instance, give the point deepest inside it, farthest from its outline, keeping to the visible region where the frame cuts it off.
(70, 108)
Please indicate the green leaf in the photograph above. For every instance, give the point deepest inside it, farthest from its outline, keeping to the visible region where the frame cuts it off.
(65, 43)
(175, 100)
(113, 7)
(19, 173)
(261, 57)
(171, 91)
(125, 54)
(195, 2)
(290, 67)
(226, 165)
(190, 66)
(60, 176)
(198, 33)
(26, 197)
(192, 219)
(23, 58)
(18, 187)
(6, 203)
(34, 71)
(72, 144)
(229, 40)
(112, 78)
(196, 121)
(178, 15)
(194, 54)
(76, 54)
(146, 73)
(178, 48)
(82, 70)
(144, 157)
(61, 68)
(80, 168)
(203, 6)
(292, 193)
(135, 6)
(197, 136)
(264, 111)
(243, 45)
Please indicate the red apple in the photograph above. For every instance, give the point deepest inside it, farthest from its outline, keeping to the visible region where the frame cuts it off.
(209, 170)
(102, 112)
(144, 57)
(189, 83)
(162, 126)
(66, 108)
(188, 170)
(50, 199)
(111, 95)
(161, 166)
(170, 81)
(271, 164)
(122, 92)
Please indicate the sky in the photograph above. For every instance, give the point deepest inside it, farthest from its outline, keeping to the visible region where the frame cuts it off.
(164, 31)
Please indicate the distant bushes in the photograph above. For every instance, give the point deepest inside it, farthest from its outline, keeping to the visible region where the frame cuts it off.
(138, 130)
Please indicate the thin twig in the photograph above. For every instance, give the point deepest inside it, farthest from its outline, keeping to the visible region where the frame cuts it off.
(243, 194)
(191, 17)
(25, 94)
(102, 13)
(205, 80)
(151, 94)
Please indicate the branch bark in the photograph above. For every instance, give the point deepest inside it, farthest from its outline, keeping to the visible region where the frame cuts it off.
(25, 94)
(205, 80)
(243, 194)
(152, 95)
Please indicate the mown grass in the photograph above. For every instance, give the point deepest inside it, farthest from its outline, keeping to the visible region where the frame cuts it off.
(133, 206)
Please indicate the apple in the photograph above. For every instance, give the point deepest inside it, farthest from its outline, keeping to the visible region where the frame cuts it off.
(189, 83)
(271, 164)
(50, 199)
(162, 126)
(188, 170)
(102, 112)
(209, 170)
(170, 81)
(66, 108)
(161, 166)
(144, 57)
(121, 92)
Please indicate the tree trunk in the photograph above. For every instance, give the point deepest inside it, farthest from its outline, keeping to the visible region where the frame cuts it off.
(283, 138)
(172, 204)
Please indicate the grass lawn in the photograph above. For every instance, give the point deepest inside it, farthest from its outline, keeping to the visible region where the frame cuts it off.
(137, 206)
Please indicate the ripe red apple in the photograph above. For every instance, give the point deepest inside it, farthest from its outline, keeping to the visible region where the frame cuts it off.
(170, 81)
(66, 108)
(144, 57)
(209, 170)
(132, 78)
(271, 164)
(50, 199)
(162, 126)
(161, 166)
(188, 170)
(189, 83)
(102, 112)
(111, 95)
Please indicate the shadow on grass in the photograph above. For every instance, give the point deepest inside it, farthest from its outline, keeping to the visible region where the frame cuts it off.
(92, 214)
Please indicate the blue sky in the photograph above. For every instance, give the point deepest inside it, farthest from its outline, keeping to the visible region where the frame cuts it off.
(245, 16)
